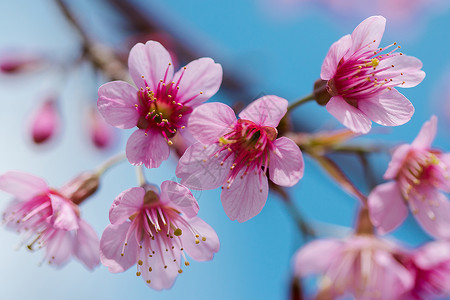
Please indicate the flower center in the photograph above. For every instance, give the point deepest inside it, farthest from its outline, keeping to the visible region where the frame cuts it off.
(365, 73)
(250, 144)
(422, 168)
(158, 231)
(159, 109)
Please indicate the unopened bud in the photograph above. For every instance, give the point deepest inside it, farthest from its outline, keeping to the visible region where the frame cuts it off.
(16, 63)
(45, 122)
(81, 187)
(321, 94)
(101, 133)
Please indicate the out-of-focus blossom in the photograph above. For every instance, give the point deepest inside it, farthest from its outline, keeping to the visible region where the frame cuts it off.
(361, 78)
(236, 154)
(101, 133)
(154, 231)
(431, 266)
(420, 173)
(162, 102)
(13, 63)
(363, 266)
(48, 219)
(46, 121)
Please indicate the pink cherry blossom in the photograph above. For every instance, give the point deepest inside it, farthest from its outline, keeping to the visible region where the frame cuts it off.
(154, 231)
(364, 266)
(162, 102)
(361, 78)
(46, 122)
(48, 219)
(431, 266)
(236, 154)
(419, 173)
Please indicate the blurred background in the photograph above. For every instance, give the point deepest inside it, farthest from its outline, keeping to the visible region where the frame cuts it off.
(47, 50)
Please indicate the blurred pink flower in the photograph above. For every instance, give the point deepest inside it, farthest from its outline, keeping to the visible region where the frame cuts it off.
(361, 78)
(162, 102)
(236, 154)
(364, 266)
(46, 121)
(420, 172)
(14, 62)
(47, 218)
(431, 266)
(153, 231)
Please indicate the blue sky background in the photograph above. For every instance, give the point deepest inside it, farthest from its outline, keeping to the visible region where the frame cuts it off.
(280, 54)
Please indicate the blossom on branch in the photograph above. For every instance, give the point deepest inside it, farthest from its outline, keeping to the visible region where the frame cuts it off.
(363, 266)
(236, 154)
(154, 231)
(360, 79)
(419, 173)
(162, 102)
(49, 219)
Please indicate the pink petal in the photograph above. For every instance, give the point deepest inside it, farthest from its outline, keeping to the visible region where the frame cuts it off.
(246, 196)
(426, 135)
(316, 257)
(179, 197)
(396, 163)
(368, 31)
(151, 149)
(348, 115)
(432, 213)
(265, 111)
(199, 169)
(21, 185)
(160, 277)
(200, 80)
(406, 72)
(394, 279)
(204, 250)
(334, 56)
(390, 108)
(64, 215)
(116, 102)
(151, 61)
(111, 245)
(210, 121)
(59, 247)
(286, 162)
(387, 208)
(443, 172)
(433, 254)
(126, 204)
(87, 246)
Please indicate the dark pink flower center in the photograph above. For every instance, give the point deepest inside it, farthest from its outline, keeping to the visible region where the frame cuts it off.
(360, 76)
(157, 230)
(249, 144)
(421, 168)
(160, 110)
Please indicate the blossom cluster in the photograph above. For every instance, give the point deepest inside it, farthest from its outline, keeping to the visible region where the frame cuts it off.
(154, 228)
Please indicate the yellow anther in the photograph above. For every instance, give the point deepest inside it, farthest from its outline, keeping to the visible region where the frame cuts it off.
(150, 269)
(180, 271)
(140, 262)
(204, 239)
(186, 263)
(138, 273)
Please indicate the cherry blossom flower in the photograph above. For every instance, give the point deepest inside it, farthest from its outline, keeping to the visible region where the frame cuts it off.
(419, 173)
(361, 77)
(48, 219)
(45, 122)
(431, 266)
(363, 265)
(162, 102)
(236, 154)
(154, 231)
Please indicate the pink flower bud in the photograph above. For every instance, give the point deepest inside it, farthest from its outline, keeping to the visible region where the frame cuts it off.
(45, 122)
(101, 133)
(81, 187)
(15, 63)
